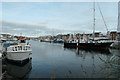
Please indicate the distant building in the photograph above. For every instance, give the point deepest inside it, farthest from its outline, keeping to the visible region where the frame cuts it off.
(113, 35)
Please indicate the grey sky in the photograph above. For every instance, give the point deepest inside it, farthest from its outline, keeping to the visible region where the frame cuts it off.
(44, 18)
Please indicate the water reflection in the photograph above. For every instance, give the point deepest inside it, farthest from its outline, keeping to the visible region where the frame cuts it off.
(111, 66)
(18, 71)
(82, 52)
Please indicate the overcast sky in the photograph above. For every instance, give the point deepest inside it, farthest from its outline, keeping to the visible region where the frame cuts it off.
(51, 18)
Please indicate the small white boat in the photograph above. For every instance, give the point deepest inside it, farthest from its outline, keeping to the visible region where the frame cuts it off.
(18, 51)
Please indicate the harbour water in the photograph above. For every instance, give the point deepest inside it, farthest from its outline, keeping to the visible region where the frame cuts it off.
(52, 60)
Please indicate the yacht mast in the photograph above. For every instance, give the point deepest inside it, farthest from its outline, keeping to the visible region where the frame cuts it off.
(118, 27)
(93, 19)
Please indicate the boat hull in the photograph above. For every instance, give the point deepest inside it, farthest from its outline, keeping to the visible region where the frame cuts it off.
(18, 56)
(88, 45)
(94, 45)
(70, 45)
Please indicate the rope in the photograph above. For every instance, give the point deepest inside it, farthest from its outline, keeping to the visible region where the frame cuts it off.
(102, 17)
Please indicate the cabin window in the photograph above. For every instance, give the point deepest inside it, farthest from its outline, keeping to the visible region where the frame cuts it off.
(20, 47)
(26, 47)
(22, 41)
(15, 48)
(29, 47)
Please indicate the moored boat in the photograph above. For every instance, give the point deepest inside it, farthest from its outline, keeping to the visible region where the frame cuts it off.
(94, 43)
(58, 41)
(89, 44)
(19, 51)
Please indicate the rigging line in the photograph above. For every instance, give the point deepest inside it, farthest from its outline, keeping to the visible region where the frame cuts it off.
(102, 17)
(118, 20)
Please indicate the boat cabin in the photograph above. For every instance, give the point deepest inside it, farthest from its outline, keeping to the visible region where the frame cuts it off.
(22, 41)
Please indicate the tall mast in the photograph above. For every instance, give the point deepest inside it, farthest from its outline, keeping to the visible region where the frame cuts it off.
(118, 27)
(93, 19)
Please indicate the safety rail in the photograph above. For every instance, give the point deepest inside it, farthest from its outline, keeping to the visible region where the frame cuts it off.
(19, 48)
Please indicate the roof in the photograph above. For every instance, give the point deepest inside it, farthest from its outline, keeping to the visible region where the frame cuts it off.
(21, 37)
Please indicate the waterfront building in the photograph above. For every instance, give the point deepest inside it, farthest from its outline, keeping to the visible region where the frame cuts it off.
(113, 35)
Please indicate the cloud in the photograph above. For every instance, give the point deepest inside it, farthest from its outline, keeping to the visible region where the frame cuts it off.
(25, 28)
(16, 28)
(59, 0)
(41, 29)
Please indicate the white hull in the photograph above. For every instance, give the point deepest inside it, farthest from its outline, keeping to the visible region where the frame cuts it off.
(17, 51)
(19, 56)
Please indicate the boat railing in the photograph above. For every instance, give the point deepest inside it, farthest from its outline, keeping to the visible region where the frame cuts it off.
(102, 41)
(19, 48)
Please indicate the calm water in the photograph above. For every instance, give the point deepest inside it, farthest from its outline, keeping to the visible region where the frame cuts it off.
(53, 60)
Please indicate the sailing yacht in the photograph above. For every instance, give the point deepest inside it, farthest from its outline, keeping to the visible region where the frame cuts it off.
(90, 44)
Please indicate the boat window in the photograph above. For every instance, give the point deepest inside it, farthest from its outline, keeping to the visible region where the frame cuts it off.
(20, 47)
(22, 41)
(6, 44)
(13, 48)
(29, 47)
(26, 47)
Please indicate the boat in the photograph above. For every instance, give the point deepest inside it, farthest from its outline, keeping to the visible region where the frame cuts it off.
(17, 51)
(46, 40)
(87, 43)
(58, 41)
(72, 43)
(95, 45)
